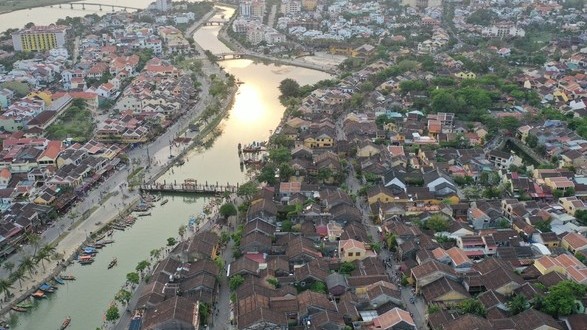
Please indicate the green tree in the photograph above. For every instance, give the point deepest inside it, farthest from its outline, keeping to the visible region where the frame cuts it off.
(5, 287)
(133, 277)
(247, 190)
(123, 296)
(227, 210)
(112, 313)
(437, 223)
(18, 275)
(142, 265)
(182, 230)
(472, 306)
(560, 300)
(581, 215)
(171, 241)
(543, 226)
(8, 266)
(235, 281)
(27, 264)
(319, 286)
(42, 256)
(289, 88)
(518, 304)
(34, 240)
(280, 155)
(347, 268)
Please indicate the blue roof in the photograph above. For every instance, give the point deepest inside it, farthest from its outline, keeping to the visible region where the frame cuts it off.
(135, 324)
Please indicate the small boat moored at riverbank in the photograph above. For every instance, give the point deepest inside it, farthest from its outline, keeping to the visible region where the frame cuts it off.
(86, 260)
(65, 323)
(113, 263)
(68, 277)
(19, 309)
(58, 280)
(163, 202)
(47, 288)
(39, 294)
(144, 214)
(25, 304)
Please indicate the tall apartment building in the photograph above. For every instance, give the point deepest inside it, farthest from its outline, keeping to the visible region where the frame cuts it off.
(422, 4)
(39, 38)
(163, 5)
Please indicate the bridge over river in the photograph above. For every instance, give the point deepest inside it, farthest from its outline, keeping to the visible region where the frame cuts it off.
(83, 6)
(189, 186)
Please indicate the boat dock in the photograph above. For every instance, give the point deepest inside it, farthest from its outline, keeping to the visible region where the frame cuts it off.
(189, 187)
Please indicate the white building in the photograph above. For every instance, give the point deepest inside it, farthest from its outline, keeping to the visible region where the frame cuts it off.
(503, 30)
(163, 5)
(290, 7)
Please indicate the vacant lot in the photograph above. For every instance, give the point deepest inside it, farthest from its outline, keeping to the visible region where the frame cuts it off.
(10, 5)
(75, 123)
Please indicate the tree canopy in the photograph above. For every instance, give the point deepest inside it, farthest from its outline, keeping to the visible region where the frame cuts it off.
(560, 300)
(289, 88)
(227, 210)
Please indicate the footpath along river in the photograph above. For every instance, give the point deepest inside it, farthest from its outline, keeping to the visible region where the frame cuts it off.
(256, 111)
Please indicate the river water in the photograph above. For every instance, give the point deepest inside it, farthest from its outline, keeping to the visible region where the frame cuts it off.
(256, 111)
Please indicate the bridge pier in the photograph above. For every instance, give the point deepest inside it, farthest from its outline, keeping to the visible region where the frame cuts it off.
(100, 6)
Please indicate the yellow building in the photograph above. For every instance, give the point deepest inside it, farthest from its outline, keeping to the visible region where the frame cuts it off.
(309, 5)
(321, 141)
(39, 38)
(466, 75)
(350, 250)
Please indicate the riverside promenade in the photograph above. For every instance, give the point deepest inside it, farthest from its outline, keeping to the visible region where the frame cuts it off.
(109, 200)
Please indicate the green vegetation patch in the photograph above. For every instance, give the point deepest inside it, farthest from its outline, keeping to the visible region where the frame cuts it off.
(76, 123)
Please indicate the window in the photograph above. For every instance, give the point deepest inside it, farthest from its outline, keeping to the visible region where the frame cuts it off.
(350, 254)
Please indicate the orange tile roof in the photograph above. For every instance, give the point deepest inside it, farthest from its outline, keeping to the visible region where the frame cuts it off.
(458, 256)
(576, 241)
(391, 318)
(439, 253)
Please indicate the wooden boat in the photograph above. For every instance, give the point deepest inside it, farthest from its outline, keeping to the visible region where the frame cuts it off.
(46, 287)
(18, 309)
(112, 263)
(25, 304)
(86, 260)
(58, 280)
(144, 214)
(163, 202)
(107, 241)
(39, 294)
(118, 227)
(65, 323)
(68, 277)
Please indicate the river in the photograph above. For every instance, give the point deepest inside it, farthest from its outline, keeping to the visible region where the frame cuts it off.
(256, 111)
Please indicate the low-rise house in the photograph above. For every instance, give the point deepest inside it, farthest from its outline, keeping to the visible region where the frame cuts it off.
(394, 319)
(444, 292)
(431, 271)
(574, 242)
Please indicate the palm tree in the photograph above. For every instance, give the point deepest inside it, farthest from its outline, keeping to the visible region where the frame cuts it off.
(181, 231)
(42, 256)
(27, 264)
(18, 275)
(8, 266)
(34, 240)
(5, 286)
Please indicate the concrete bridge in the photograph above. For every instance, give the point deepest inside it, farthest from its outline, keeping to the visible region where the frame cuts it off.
(215, 22)
(229, 56)
(83, 6)
(189, 186)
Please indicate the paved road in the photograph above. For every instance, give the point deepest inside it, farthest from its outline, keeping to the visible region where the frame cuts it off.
(78, 232)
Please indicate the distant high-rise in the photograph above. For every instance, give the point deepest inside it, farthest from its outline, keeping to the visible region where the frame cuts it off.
(39, 38)
(163, 5)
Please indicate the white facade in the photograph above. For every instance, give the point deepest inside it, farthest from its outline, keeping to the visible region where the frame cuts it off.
(163, 5)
